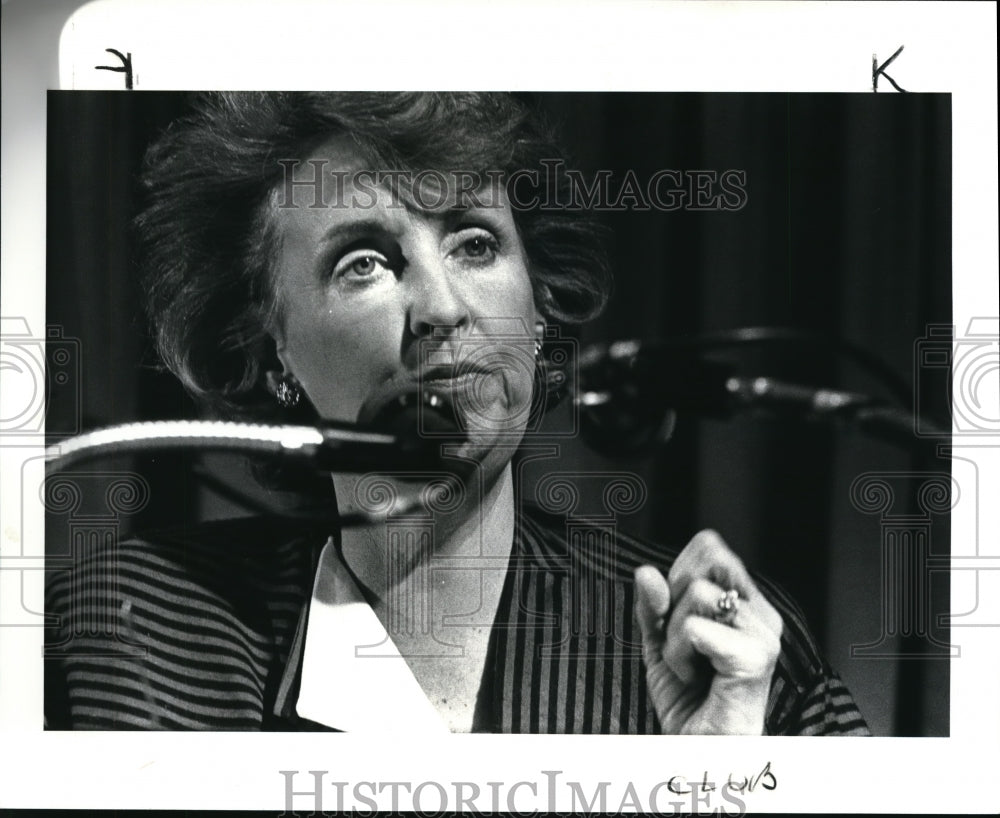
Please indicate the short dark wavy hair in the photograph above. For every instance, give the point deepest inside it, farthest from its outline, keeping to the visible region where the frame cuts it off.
(207, 243)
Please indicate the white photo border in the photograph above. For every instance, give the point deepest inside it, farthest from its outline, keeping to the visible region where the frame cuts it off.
(662, 46)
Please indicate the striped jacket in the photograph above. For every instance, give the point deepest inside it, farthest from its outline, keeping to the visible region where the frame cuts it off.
(194, 629)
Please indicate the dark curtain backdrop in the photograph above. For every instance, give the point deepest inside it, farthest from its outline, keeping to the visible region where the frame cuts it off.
(845, 232)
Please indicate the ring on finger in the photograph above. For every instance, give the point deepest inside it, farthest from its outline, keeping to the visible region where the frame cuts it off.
(727, 606)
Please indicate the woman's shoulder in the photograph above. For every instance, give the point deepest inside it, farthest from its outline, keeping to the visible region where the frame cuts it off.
(562, 543)
(255, 536)
(617, 552)
(225, 560)
(180, 628)
(605, 549)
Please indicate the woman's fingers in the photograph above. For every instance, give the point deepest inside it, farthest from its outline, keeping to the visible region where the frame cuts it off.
(734, 653)
(710, 640)
(700, 602)
(709, 586)
(652, 604)
(680, 653)
(736, 701)
(708, 557)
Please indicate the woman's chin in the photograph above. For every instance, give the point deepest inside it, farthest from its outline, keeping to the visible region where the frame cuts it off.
(486, 450)
(478, 430)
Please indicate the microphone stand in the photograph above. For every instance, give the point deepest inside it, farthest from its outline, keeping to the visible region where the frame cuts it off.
(331, 446)
(876, 418)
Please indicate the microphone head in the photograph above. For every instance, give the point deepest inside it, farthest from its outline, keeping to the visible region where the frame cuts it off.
(618, 415)
(422, 421)
(414, 412)
(630, 394)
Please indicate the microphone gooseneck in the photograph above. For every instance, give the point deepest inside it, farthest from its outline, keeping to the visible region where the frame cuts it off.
(330, 446)
(392, 441)
(629, 394)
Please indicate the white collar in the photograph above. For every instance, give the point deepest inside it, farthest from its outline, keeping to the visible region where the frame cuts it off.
(353, 676)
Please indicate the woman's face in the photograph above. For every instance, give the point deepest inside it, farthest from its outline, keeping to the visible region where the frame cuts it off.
(379, 297)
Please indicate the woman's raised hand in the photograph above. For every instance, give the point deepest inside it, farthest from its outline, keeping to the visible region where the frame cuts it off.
(709, 653)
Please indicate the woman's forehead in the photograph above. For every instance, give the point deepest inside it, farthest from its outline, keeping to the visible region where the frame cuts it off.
(339, 174)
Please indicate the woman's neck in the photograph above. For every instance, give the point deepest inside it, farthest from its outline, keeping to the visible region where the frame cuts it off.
(437, 581)
(403, 550)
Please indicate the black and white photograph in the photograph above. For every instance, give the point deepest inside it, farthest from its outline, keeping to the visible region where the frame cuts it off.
(636, 411)
(373, 417)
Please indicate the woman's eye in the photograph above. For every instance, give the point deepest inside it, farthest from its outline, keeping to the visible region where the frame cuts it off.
(477, 246)
(363, 266)
(360, 265)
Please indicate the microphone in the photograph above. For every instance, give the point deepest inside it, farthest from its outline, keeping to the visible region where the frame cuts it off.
(391, 441)
(644, 375)
(630, 393)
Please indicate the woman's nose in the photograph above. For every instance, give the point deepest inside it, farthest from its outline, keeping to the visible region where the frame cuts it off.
(435, 295)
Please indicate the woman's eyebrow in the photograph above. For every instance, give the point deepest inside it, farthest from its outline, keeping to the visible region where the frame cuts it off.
(455, 214)
(346, 231)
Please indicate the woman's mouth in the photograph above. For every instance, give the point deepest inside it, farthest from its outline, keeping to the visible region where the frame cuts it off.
(441, 398)
(453, 382)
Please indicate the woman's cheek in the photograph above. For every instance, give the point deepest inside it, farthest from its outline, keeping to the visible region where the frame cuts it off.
(336, 371)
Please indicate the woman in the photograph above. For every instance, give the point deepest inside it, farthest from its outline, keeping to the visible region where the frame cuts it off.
(334, 256)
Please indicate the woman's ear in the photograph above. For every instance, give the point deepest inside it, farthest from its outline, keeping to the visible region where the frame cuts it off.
(543, 300)
(540, 322)
(277, 370)
(273, 377)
